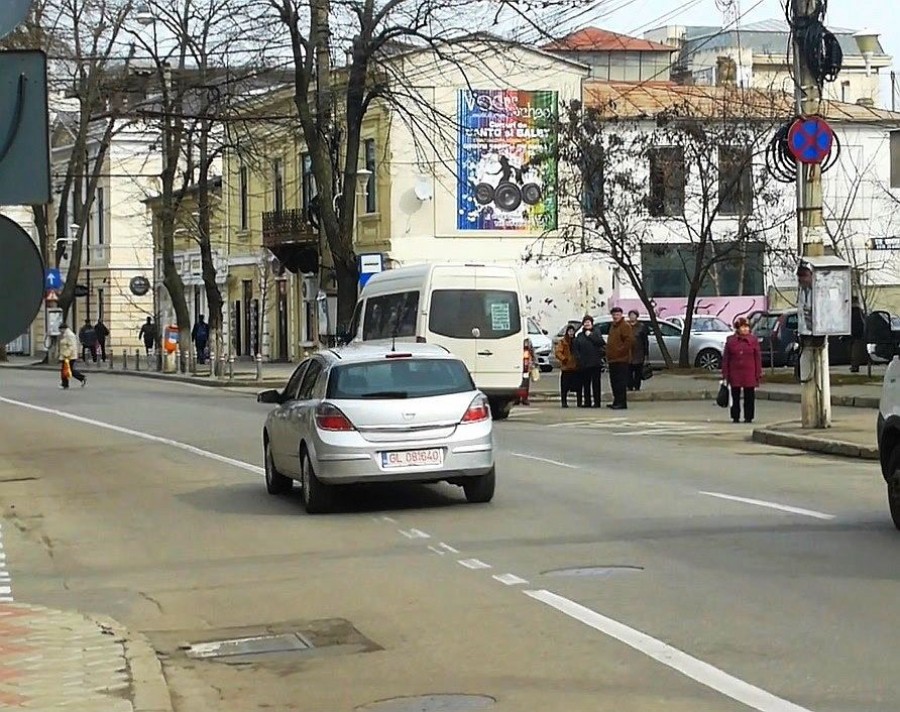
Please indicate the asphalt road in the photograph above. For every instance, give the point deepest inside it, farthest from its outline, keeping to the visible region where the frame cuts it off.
(732, 576)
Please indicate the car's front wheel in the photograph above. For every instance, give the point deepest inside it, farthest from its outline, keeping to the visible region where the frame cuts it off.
(709, 359)
(317, 496)
(276, 483)
(480, 489)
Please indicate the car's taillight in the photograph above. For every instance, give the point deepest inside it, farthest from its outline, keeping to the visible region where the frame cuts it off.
(330, 417)
(478, 411)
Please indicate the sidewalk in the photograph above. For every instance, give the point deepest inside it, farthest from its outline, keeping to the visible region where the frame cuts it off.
(52, 659)
(852, 434)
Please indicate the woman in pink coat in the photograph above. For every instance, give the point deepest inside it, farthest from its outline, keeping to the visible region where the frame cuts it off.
(742, 369)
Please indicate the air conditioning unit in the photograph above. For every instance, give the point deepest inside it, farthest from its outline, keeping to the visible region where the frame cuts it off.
(309, 287)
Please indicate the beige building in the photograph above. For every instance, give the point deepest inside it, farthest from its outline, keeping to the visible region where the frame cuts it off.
(755, 56)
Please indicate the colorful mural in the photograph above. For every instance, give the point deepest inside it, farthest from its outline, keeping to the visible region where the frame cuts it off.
(506, 160)
(726, 308)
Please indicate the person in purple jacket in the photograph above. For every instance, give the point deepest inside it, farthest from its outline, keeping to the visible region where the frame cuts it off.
(742, 369)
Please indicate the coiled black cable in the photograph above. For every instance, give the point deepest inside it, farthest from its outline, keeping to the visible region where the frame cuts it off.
(818, 46)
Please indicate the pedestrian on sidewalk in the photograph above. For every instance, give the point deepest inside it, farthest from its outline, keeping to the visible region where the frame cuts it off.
(147, 334)
(742, 369)
(68, 355)
(619, 344)
(859, 356)
(88, 338)
(590, 350)
(200, 337)
(102, 335)
(568, 366)
(640, 351)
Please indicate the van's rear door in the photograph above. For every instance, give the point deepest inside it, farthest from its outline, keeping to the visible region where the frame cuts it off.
(502, 336)
(450, 320)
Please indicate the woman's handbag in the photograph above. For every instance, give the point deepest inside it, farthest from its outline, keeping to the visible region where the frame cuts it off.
(646, 372)
(66, 369)
(723, 396)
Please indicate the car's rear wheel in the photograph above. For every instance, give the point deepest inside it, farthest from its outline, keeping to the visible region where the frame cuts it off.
(480, 490)
(893, 485)
(317, 496)
(500, 409)
(709, 359)
(276, 483)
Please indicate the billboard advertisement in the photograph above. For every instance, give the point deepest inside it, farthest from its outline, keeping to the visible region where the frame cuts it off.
(506, 160)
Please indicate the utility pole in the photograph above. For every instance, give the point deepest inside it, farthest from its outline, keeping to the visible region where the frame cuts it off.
(815, 395)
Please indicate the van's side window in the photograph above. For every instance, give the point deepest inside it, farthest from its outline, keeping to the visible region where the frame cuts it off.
(456, 312)
(391, 315)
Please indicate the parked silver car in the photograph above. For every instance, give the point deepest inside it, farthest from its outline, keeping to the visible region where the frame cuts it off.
(541, 343)
(705, 349)
(367, 413)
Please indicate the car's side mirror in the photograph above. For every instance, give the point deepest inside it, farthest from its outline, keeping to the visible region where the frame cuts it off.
(545, 332)
(273, 397)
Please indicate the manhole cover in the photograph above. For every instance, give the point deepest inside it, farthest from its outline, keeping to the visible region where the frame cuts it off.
(593, 571)
(431, 703)
(256, 645)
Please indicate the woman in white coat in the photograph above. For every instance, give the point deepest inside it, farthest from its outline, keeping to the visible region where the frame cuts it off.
(68, 351)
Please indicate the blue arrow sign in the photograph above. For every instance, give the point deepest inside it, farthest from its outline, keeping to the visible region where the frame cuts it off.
(53, 279)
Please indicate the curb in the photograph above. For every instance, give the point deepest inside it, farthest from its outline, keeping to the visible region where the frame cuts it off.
(841, 401)
(193, 380)
(639, 397)
(824, 446)
(149, 690)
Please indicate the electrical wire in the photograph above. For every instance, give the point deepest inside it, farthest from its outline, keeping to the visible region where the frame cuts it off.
(818, 46)
(781, 163)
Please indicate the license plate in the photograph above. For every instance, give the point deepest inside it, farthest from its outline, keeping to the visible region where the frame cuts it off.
(412, 458)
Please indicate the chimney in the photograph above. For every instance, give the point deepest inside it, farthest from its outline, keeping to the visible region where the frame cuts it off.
(726, 72)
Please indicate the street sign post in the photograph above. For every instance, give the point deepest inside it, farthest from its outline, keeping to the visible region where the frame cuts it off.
(12, 14)
(810, 139)
(53, 279)
(884, 243)
(22, 277)
(369, 264)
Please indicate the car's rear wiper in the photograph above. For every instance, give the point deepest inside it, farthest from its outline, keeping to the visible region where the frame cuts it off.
(386, 394)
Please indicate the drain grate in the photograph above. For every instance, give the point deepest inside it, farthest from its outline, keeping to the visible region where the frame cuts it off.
(430, 703)
(592, 570)
(256, 645)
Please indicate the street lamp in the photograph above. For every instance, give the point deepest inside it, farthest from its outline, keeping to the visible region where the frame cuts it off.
(867, 42)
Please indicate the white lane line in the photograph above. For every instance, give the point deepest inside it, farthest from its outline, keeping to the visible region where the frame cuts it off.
(510, 580)
(447, 547)
(414, 534)
(390, 520)
(704, 673)
(544, 460)
(771, 505)
(436, 550)
(255, 469)
(473, 564)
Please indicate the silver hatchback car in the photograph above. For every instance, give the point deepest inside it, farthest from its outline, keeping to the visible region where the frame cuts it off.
(366, 413)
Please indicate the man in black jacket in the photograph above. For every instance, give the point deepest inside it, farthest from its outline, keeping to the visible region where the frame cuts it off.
(590, 349)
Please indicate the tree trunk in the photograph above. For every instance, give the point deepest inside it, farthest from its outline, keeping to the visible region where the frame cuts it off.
(348, 290)
(3, 357)
(214, 299)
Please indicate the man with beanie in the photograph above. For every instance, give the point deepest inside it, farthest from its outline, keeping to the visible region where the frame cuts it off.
(619, 343)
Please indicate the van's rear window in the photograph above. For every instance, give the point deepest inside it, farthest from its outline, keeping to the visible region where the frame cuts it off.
(456, 312)
(399, 378)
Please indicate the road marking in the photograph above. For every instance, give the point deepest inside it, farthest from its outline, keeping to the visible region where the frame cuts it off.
(543, 459)
(473, 564)
(6, 595)
(447, 547)
(436, 550)
(510, 579)
(255, 469)
(415, 534)
(771, 505)
(689, 666)
(390, 520)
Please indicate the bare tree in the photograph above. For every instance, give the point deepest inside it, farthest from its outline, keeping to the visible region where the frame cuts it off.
(332, 98)
(682, 185)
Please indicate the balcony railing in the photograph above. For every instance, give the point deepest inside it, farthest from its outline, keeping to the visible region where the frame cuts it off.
(287, 227)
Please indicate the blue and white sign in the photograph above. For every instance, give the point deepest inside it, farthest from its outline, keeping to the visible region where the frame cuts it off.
(53, 279)
(369, 264)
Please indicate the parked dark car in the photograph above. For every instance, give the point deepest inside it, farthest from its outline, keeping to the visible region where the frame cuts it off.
(882, 336)
(777, 334)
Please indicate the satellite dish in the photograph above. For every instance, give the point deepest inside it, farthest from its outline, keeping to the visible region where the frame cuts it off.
(423, 188)
(12, 14)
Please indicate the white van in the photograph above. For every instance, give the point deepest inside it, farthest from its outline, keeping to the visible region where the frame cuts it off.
(475, 311)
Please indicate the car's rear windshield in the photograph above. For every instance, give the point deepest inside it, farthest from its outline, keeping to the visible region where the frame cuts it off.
(456, 312)
(708, 323)
(764, 324)
(399, 378)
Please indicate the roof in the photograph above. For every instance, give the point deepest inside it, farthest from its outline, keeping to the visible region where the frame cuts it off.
(357, 352)
(630, 100)
(593, 39)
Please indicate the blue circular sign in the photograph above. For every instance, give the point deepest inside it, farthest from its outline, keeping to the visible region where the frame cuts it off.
(810, 139)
